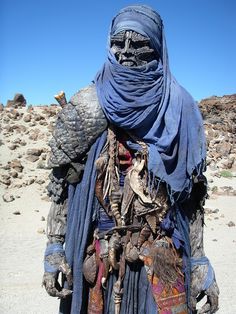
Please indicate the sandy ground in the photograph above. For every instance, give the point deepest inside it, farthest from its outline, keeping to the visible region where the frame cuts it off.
(22, 245)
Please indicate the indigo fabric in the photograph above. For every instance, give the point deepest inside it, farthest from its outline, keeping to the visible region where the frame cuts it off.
(210, 277)
(51, 249)
(79, 228)
(137, 297)
(148, 101)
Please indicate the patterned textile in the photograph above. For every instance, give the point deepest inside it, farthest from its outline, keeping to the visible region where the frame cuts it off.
(170, 300)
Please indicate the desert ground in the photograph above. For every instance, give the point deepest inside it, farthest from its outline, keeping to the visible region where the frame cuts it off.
(24, 206)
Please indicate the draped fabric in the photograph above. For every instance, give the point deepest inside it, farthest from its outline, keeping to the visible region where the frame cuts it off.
(148, 101)
(137, 296)
(79, 227)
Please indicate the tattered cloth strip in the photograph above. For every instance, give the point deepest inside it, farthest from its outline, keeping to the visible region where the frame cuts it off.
(210, 277)
(95, 303)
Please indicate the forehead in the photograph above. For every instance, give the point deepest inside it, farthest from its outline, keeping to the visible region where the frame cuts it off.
(134, 36)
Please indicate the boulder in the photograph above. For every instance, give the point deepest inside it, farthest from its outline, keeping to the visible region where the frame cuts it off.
(19, 101)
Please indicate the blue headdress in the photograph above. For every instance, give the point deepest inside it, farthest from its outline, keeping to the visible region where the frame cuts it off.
(148, 101)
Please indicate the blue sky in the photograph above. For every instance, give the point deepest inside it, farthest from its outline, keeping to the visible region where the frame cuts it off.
(53, 45)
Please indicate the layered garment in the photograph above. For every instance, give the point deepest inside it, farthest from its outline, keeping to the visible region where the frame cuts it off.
(148, 102)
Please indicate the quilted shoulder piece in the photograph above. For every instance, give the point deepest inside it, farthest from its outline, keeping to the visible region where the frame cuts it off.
(78, 125)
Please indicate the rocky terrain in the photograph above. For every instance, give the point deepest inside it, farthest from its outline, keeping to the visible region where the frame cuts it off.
(25, 132)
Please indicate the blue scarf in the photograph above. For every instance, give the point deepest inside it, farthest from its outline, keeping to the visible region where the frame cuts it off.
(148, 101)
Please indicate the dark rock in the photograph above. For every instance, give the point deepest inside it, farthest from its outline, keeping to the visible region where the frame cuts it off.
(5, 179)
(19, 101)
(14, 174)
(16, 165)
(17, 212)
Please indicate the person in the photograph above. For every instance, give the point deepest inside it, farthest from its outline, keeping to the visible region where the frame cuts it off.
(128, 155)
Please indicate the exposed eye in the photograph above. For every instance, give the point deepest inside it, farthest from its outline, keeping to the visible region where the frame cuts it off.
(117, 44)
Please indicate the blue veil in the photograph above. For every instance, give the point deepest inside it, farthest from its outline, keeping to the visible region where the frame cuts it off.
(148, 101)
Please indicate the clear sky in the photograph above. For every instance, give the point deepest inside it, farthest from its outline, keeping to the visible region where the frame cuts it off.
(52, 45)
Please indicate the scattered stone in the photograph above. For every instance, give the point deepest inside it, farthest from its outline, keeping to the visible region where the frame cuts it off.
(228, 164)
(16, 141)
(13, 115)
(44, 156)
(8, 198)
(17, 212)
(23, 143)
(27, 118)
(46, 198)
(44, 123)
(32, 158)
(30, 181)
(13, 174)
(42, 165)
(17, 185)
(41, 231)
(32, 123)
(36, 210)
(16, 165)
(6, 167)
(13, 146)
(38, 117)
(33, 134)
(215, 240)
(34, 151)
(40, 181)
(5, 179)
(231, 224)
(43, 218)
(214, 189)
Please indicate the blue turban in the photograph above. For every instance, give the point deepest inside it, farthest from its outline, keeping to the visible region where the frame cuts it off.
(149, 102)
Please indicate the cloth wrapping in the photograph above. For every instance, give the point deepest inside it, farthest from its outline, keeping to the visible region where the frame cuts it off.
(148, 101)
(51, 249)
(210, 277)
